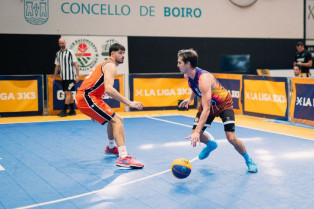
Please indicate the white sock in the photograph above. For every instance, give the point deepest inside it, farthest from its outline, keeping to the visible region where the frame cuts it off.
(111, 143)
(122, 152)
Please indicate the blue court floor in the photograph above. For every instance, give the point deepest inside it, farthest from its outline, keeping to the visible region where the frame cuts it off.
(61, 165)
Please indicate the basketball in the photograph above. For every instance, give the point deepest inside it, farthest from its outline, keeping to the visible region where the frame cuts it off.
(181, 168)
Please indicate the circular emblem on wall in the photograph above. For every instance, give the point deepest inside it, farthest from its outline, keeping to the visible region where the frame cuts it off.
(106, 46)
(86, 53)
(243, 3)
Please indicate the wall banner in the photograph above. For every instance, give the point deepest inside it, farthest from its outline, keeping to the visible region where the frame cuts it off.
(153, 18)
(233, 83)
(265, 97)
(56, 95)
(21, 95)
(92, 50)
(302, 102)
(159, 91)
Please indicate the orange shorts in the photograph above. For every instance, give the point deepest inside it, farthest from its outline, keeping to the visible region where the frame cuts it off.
(94, 107)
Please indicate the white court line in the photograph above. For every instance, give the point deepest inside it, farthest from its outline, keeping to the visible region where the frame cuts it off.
(180, 124)
(97, 191)
(109, 187)
(1, 167)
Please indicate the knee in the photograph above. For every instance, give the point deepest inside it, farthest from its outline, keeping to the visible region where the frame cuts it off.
(117, 119)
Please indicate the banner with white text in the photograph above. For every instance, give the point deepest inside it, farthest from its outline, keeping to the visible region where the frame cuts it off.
(184, 18)
(56, 95)
(159, 91)
(302, 101)
(265, 97)
(21, 95)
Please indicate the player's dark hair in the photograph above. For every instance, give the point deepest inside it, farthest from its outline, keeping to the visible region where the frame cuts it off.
(116, 47)
(189, 55)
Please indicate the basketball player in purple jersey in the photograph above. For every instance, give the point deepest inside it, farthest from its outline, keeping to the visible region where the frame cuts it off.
(216, 101)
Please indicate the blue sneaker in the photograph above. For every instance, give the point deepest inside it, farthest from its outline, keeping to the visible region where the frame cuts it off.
(252, 168)
(210, 146)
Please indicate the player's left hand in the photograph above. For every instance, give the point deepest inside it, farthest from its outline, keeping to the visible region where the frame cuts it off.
(195, 138)
(136, 105)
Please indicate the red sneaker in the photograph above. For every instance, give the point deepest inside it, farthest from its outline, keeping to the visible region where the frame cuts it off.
(113, 151)
(129, 162)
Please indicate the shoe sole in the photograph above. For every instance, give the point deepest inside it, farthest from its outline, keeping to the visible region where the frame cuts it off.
(130, 166)
(110, 153)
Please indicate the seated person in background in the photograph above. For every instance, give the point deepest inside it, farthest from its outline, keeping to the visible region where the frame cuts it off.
(297, 70)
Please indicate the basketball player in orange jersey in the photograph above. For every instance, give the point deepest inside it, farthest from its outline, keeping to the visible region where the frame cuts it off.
(89, 101)
(216, 101)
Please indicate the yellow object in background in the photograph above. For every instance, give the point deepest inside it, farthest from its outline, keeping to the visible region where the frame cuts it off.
(18, 95)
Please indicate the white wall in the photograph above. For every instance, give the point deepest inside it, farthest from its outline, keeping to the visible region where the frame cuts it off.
(309, 19)
(283, 72)
(213, 18)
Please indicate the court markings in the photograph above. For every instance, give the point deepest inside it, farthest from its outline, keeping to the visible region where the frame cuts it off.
(128, 183)
(1, 167)
(114, 186)
(98, 191)
(260, 129)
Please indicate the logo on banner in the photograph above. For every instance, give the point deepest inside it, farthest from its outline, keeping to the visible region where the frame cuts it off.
(106, 46)
(36, 12)
(86, 53)
(305, 102)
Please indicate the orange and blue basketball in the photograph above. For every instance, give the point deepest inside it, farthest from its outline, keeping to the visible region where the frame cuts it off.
(181, 168)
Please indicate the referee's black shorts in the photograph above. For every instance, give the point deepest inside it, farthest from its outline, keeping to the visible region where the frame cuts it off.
(68, 85)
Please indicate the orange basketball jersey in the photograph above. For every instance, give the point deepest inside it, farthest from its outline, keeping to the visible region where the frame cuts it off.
(89, 96)
(94, 81)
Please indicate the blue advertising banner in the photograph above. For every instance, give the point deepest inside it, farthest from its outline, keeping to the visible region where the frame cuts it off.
(302, 102)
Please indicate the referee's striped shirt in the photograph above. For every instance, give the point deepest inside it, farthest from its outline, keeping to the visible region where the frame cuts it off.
(65, 59)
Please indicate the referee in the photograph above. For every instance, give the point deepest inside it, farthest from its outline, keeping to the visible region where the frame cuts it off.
(65, 62)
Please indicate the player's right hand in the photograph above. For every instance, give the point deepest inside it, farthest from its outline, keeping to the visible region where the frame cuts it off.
(136, 105)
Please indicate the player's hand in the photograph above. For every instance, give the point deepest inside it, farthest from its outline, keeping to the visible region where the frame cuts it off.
(136, 105)
(53, 80)
(195, 138)
(77, 78)
(185, 103)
